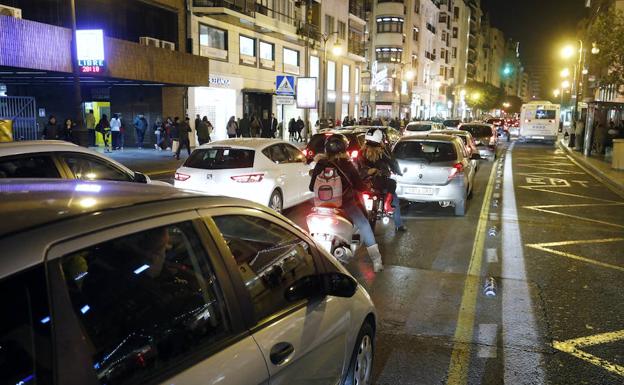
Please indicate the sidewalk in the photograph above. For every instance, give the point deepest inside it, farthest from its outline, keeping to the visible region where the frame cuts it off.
(599, 166)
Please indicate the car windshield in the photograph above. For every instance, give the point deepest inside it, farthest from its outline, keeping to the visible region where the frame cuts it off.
(430, 151)
(451, 123)
(418, 127)
(478, 131)
(220, 158)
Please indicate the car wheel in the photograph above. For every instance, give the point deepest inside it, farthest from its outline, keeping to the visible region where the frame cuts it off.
(361, 365)
(460, 208)
(276, 202)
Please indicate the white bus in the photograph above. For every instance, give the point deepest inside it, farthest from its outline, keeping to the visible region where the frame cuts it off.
(539, 120)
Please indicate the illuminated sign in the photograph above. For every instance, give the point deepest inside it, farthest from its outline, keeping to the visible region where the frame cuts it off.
(306, 93)
(90, 50)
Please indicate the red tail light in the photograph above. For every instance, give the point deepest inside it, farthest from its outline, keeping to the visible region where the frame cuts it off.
(365, 196)
(354, 154)
(305, 152)
(457, 168)
(181, 177)
(249, 178)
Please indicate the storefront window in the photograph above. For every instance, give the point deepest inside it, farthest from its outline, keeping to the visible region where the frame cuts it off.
(247, 46)
(314, 67)
(345, 77)
(331, 75)
(291, 61)
(267, 51)
(356, 89)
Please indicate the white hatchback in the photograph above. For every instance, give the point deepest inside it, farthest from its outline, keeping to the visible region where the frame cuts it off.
(267, 171)
(422, 127)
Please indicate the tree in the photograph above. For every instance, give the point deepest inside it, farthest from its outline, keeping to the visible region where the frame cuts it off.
(483, 96)
(515, 103)
(607, 32)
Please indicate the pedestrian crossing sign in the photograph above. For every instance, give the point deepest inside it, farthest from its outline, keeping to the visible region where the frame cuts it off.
(285, 85)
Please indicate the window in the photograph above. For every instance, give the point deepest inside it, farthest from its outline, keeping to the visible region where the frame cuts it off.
(25, 338)
(247, 46)
(28, 166)
(416, 6)
(329, 24)
(294, 154)
(276, 153)
(456, 13)
(331, 75)
(415, 33)
(346, 73)
(291, 61)
(454, 52)
(220, 159)
(213, 42)
(267, 51)
(88, 168)
(342, 30)
(429, 151)
(387, 54)
(455, 32)
(390, 24)
(314, 67)
(357, 80)
(269, 259)
(145, 301)
(452, 72)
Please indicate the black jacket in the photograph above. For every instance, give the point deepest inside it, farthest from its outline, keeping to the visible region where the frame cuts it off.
(387, 164)
(349, 176)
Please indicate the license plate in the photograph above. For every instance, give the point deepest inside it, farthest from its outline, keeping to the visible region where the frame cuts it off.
(368, 203)
(419, 190)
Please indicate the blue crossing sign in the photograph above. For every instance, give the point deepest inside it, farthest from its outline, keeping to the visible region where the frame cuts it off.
(285, 85)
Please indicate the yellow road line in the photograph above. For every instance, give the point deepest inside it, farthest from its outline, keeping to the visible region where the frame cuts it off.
(577, 242)
(460, 357)
(575, 257)
(537, 208)
(572, 347)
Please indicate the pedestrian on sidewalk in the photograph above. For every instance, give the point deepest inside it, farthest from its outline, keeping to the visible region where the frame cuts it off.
(184, 130)
(197, 121)
(232, 127)
(255, 126)
(103, 127)
(66, 132)
(175, 135)
(115, 124)
(300, 127)
(158, 132)
(167, 133)
(203, 134)
(90, 123)
(244, 126)
(140, 126)
(51, 129)
(292, 130)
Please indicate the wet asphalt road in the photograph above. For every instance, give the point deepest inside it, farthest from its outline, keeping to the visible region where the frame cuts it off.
(549, 234)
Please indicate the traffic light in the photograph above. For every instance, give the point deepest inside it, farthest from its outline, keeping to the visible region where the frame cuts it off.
(507, 70)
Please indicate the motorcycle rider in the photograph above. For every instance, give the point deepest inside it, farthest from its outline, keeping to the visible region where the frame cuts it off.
(336, 156)
(377, 163)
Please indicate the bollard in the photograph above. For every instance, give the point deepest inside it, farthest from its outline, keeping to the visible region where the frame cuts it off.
(492, 231)
(489, 288)
(495, 203)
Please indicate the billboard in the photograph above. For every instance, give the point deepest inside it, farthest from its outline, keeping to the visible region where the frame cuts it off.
(90, 50)
(307, 94)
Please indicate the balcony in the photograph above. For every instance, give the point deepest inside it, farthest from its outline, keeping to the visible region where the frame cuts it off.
(244, 7)
(356, 44)
(310, 30)
(357, 9)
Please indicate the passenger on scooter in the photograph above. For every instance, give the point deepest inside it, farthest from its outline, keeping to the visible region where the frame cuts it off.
(336, 156)
(378, 163)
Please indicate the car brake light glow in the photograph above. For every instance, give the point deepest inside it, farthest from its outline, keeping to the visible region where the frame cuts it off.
(457, 168)
(249, 178)
(354, 154)
(305, 152)
(181, 177)
(365, 196)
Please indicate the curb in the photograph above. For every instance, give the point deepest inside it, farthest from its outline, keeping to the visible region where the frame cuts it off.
(594, 171)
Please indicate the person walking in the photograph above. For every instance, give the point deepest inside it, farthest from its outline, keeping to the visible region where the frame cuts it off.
(300, 127)
(292, 130)
(184, 129)
(244, 126)
(66, 132)
(168, 126)
(90, 123)
(140, 126)
(115, 125)
(232, 127)
(158, 132)
(51, 129)
(203, 134)
(255, 126)
(197, 121)
(103, 127)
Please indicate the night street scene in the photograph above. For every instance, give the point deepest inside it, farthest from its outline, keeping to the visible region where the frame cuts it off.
(314, 192)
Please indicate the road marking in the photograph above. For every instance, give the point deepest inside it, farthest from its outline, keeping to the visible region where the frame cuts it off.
(486, 336)
(519, 327)
(573, 347)
(547, 248)
(493, 217)
(464, 331)
(542, 209)
(542, 188)
(491, 255)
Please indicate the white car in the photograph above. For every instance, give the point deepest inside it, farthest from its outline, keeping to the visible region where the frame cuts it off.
(271, 172)
(423, 127)
(64, 160)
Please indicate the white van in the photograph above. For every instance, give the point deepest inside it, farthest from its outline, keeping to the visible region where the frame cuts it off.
(539, 120)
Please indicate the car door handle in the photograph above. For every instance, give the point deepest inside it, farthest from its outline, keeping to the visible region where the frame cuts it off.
(280, 352)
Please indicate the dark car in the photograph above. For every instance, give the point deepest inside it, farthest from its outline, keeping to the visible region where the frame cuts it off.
(452, 123)
(317, 143)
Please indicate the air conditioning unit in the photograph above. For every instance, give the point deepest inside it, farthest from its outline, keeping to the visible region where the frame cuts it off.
(167, 45)
(10, 11)
(149, 41)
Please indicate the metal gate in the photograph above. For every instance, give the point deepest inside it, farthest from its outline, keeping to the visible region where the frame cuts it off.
(22, 111)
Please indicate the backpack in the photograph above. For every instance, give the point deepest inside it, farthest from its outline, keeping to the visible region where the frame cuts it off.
(328, 188)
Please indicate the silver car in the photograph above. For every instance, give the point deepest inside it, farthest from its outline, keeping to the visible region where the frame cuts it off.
(126, 283)
(436, 168)
(485, 136)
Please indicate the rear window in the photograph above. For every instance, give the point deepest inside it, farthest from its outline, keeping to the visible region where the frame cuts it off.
(478, 131)
(220, 158)
(425, 150)
(451, 123)
(418, 127)
(545, 114)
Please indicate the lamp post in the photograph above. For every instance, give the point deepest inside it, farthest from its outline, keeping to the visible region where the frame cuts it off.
(336, 51)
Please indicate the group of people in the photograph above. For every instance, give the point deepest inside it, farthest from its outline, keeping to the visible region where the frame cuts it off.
(295, 129)
(603, 136)
(55, 131)
(252, 127)
(375, 165)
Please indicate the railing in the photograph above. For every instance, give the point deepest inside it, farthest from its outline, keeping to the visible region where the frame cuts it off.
(21, 110)
(356, 45)
(356, 7)
(310, 30)
(266, 11)
(246, 7)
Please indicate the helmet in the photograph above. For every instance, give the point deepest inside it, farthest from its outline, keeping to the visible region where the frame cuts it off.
(374, 135)
(336, 144)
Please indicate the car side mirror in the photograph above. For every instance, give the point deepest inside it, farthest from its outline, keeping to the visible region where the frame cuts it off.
(139, 177)
(475, 157)
(320, 285)
(340, 285)
(307, 287)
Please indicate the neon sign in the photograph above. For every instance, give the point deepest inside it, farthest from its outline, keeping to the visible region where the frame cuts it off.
(90, 50)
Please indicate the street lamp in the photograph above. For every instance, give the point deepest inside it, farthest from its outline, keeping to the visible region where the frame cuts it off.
(565, 73)
(556, 93)
(336, 51)
(409, 75)
(565, 84)
(567, 52)
(595, 50)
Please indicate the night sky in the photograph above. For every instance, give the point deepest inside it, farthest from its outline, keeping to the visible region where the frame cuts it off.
(541, 26)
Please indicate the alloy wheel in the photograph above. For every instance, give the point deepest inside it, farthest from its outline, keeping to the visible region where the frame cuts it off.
(363, 361)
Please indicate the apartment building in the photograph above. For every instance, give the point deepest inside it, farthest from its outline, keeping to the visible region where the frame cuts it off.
(251, 42)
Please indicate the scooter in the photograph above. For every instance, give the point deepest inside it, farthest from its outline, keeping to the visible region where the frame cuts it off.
(333, 230)
(374, 205)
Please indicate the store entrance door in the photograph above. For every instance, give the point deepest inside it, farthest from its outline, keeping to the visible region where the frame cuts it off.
(259, 104)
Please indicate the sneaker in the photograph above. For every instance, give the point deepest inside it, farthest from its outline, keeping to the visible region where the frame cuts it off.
(155, 147)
